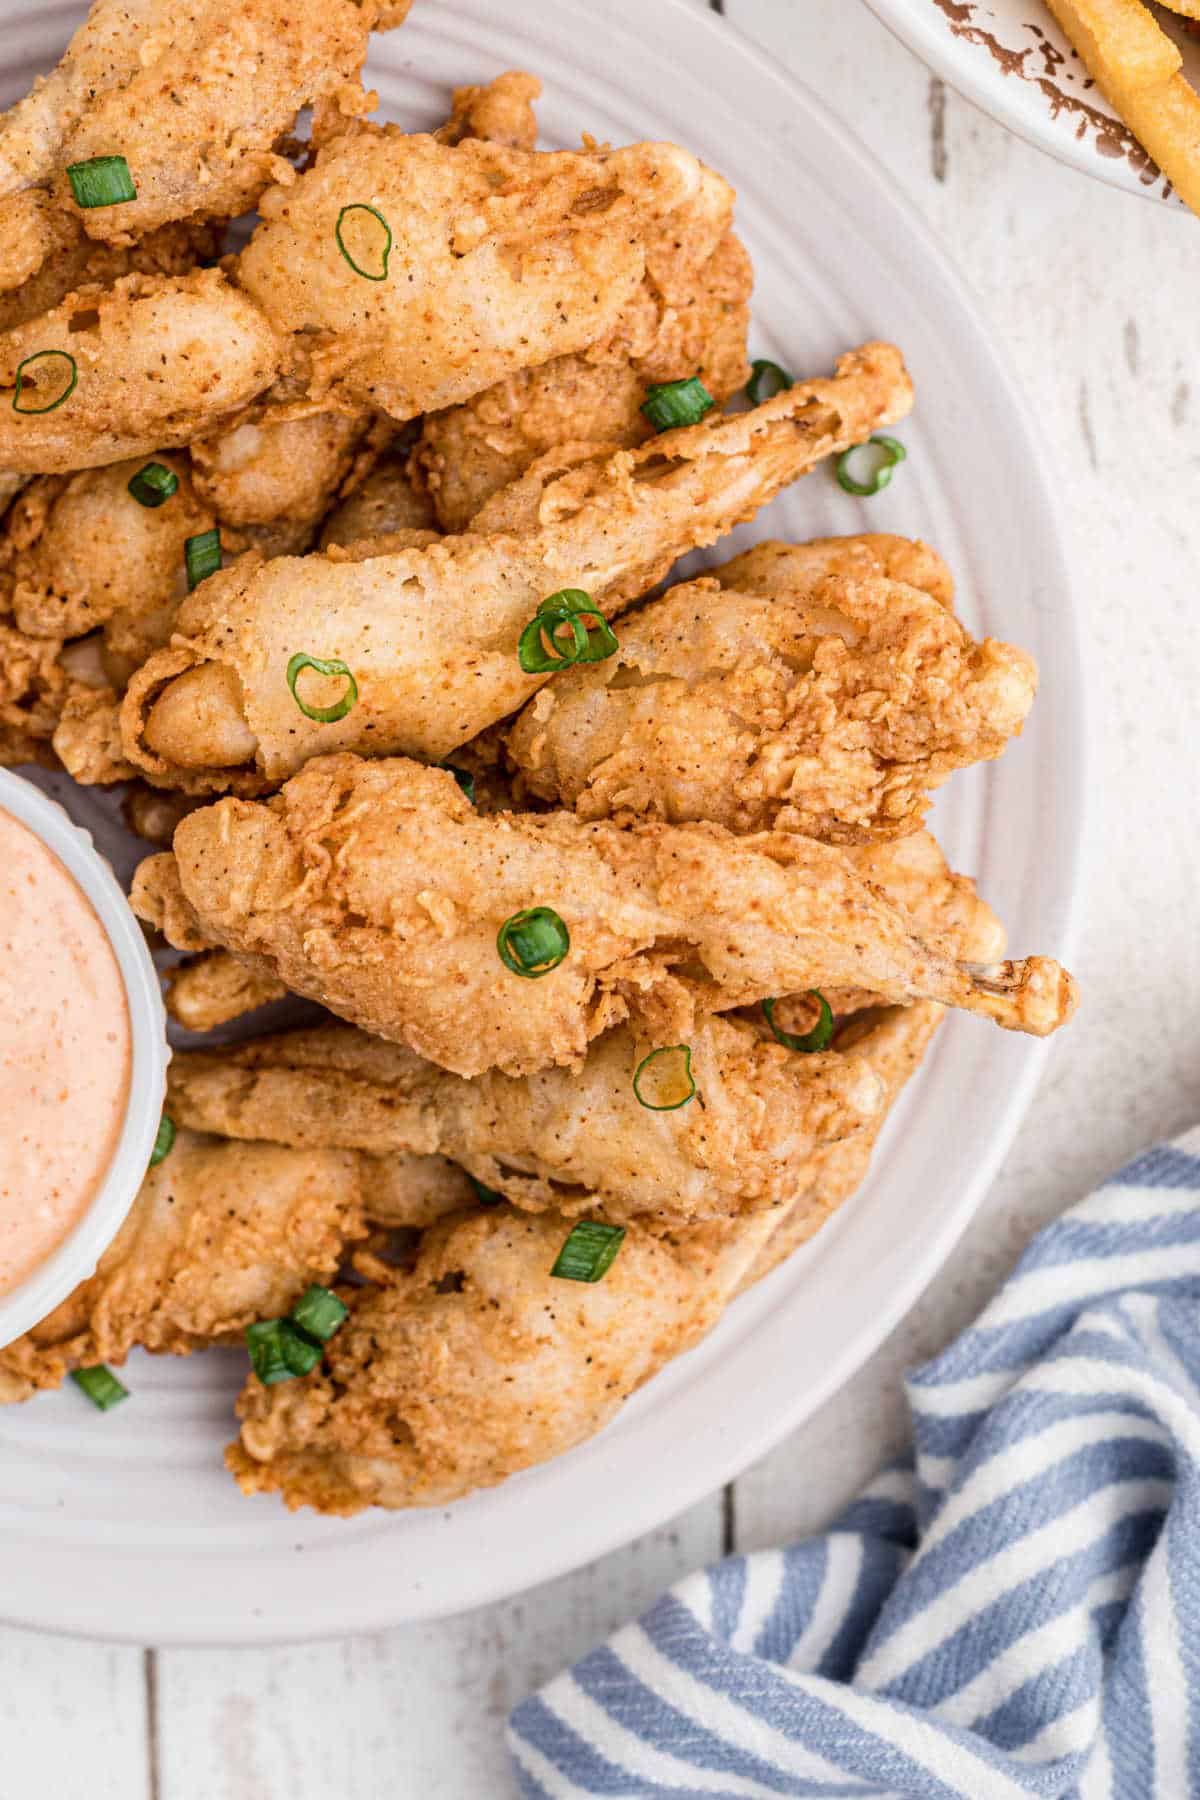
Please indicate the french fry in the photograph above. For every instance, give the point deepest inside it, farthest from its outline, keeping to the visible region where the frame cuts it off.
(1138, 67)
(1119, 41)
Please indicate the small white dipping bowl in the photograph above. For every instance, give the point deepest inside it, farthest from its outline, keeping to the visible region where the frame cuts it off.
(76, 1257)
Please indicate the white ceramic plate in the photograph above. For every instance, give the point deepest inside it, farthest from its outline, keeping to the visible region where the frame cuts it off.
(1010, 58)
(125, 1525)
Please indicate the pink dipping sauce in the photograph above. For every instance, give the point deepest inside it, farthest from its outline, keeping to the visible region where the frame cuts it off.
(65, 1052)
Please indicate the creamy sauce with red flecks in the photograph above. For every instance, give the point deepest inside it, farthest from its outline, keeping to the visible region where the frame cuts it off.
(65, 1051)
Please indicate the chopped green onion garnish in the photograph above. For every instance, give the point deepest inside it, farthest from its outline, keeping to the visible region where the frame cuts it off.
(540, 651)
(665, 1086)
(589, 1251)
(101, 1386)
(766, 380)
(324, 715)
(675, 403)
(819, 1038)
(202, 554)
(70, 375)
(464, 778)
(533, 942)
(154, 485)
(485, 1195)
(103, 181)
(164, 1142)
(373, 242)
(279, 1351)
(318, 1312)
(889, 452)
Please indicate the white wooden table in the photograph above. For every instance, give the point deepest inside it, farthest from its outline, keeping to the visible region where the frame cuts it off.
(1092, 295)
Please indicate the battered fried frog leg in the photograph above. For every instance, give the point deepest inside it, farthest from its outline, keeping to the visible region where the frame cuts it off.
(558, 1140)
(430, 635)
(837, 715)
(461, 264)
(215, 988)
(476, 1363)
(689, 317)
(220, 1235)
(376, 889)
(194, 94)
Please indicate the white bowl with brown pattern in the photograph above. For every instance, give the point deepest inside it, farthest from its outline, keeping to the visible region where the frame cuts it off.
(1011, 59)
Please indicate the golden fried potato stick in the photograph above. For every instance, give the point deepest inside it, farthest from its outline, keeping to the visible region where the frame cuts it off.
(837, 715)
(220, 1235)
(431, 634)
(376, 889)
(571, 1141)
(1139, 68)
(194, 94)
(461, 265)
(476, 1363)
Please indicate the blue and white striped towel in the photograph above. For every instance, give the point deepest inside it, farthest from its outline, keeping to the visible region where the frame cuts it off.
(1014, 1611)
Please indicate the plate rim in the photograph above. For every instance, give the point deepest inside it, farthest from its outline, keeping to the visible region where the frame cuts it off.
(934, 44)
(358, 1611)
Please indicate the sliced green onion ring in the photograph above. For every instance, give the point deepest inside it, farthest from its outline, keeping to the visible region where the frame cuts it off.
(154, 485)
(891, 454)
(673, 1081)
(202, 555)
(588, 1252)
(464, 778)
(485, 1195)
(819, 1038)
(101, 1386)
(24, 381)
(671, 404)
(533, 942)
(324, 715)
(381, 251)
(539, 651)
(767, 376)
(279, 1352)
(318, 1313)
(101, 181)
(164, 1141)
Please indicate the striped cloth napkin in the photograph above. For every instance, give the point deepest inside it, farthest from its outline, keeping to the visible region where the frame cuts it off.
(1013, 1611)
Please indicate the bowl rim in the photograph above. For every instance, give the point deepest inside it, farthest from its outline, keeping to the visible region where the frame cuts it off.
(76, 1256)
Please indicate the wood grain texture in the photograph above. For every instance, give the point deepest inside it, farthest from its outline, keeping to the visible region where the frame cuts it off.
(1088, 294)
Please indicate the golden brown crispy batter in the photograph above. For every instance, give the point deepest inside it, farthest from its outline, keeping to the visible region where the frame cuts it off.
(158, 360)
(498, 257)
(476, 1364)
(83, 553)
(690, 316)
(385, 502)
(568, 1141)
(220, 1235)
(195, 94)
(274, 479)
(153, 813)
(378, 890)
(792, 571)
(215, 711)
(74, 260)
(35, 686)
(214, 988)
(836, 715)
(500, 111)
